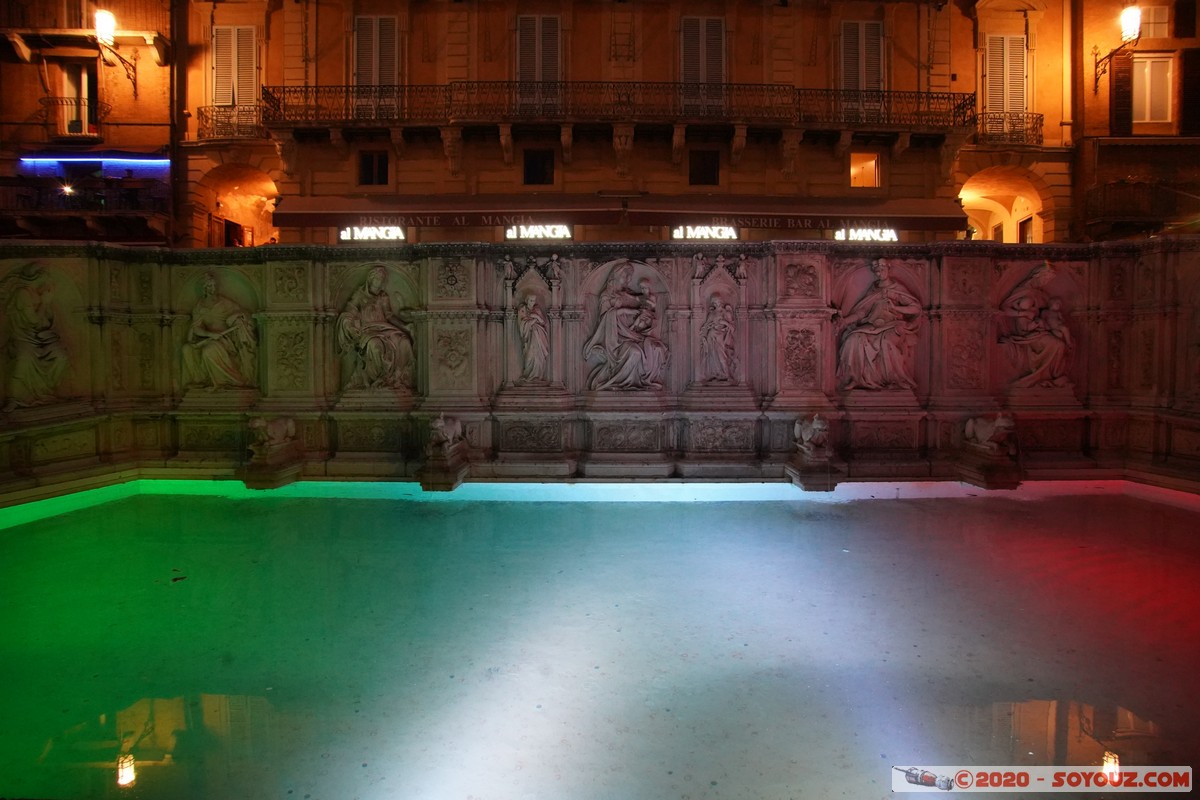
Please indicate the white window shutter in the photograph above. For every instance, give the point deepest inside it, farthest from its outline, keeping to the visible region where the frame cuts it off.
(1005, 88)
(223, 65)
(246, 91)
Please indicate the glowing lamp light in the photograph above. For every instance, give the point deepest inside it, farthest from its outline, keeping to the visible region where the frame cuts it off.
(106, 28)
(126, 770)
(67, 189)
(1112, 764)
(1131, 24)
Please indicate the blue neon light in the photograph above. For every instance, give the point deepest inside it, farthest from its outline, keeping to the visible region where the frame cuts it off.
(146, 162)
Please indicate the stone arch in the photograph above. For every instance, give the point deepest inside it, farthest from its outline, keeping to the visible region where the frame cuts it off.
(232, 206)
(1006, 195)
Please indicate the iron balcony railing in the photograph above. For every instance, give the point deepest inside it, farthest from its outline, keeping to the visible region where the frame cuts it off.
(1009, 127)
(492, 102)
(38, 195)
(73, 117)
(230, 122)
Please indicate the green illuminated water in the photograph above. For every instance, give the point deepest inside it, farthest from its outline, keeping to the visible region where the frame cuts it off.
(277, 645)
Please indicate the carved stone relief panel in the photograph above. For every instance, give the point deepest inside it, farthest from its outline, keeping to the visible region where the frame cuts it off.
(40, 340)
(221, 338)
(1060, 435)
(370, 435)
(1115, 371)
(531, 437)
(453, 279)
(1141, 435)
(117, 354)
(452, 356)
(118, 276)
(64, 446)
(1146, 359)
(200, 436)
(626, 436)
(145, 335)
(1036, 331)
(145, 284)
(716, 435)
(964, 280)
(1185, 442)
(801, 359)
(878, 321)
(718, 333)
(146, 434)
(289, 282)
(1118, 277)
(626, 348)
(290, 357)
(801, 279)
(966, 362)
(374, 339)
(883, 434)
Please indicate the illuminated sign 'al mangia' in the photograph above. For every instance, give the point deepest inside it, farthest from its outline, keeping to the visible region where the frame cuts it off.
(866, 235)
(372, 233)
(723, 232)
(537, 232)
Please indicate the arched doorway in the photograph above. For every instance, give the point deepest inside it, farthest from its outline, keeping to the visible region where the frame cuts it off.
(234, 204)
(1003, 204)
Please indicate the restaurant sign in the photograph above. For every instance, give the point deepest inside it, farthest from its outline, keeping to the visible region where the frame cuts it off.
(372, 233)
(701, 232)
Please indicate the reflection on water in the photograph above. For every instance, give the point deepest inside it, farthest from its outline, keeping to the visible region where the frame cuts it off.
(222, 746)
(209, 745)
(380, 649)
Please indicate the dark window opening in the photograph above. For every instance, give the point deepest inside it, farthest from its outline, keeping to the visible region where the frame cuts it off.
(539, 167)
(704, 168)
(1025, 231)
(373, 168)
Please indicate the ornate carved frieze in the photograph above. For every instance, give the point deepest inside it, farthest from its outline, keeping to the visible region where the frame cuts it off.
(531, 437)
(58, 447)
(1185, 442)
(370, 435)
(290, 361)
(1062, 435)
(716, 435)
(626, 436)
(883, 434)
(966, 354)
(209, 436)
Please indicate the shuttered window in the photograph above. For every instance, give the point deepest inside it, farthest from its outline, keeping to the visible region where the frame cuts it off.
(538, 49)
(862, 56)
(376, 51)
(235, 65)
(1007, 85)
(702, 48)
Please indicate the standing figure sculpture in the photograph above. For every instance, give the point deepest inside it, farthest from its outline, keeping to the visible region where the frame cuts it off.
(878, 334)
(717, 344)
(376, 346)
(1038, 332)
(221, 348)
(535, 341)
(37, 359)
(630, 355)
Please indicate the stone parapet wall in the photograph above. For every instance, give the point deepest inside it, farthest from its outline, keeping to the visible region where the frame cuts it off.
(815, 362)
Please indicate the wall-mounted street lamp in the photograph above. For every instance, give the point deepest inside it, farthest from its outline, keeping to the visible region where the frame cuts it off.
(106, 37)
(1131, 31)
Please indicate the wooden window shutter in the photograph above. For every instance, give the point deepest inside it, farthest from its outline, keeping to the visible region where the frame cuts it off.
(714, 50)
(246, 91)
(873, 55)
(1015, 75)
(223, 61)
(548, 60)
(1185, 19)
(690, 48)
(1189, 92)
(376, 51)
(862, 56)
(364, 51)
(1120, 103)
(852, 76)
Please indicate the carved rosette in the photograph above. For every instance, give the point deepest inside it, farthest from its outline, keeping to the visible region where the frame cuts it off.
(453, 280)
(800, 280)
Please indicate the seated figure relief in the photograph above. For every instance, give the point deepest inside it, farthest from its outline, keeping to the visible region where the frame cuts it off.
(1037, 332)
(375, 344)
(221, 347)
(878, 335)
(625, 341)
(37, 358)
